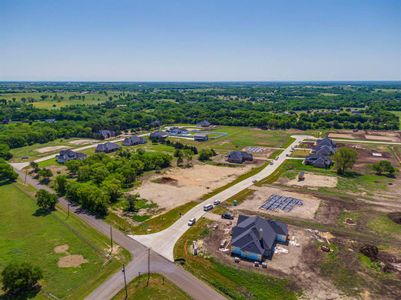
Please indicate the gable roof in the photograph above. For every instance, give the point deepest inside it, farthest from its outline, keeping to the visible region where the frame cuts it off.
(239, 156)
(249, 230)
(133, 140)
(107, 147)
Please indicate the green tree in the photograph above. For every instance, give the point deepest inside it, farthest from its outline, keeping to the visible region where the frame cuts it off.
(344, 159)
(131, 202)
(46, 200)
(112, 186)
(19, 278)
(60, 184)
(384, 167)
(7, 173)
(5, 152)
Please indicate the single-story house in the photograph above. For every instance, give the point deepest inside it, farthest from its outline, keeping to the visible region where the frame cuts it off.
(177, 131)
(318, 161)
(204, 123)
(107, 147)
(158, 135)
(106, 134)
(66, 155)
(201, 137)
(134, 140)
(255, 238)
(50, 120)
(238, 157)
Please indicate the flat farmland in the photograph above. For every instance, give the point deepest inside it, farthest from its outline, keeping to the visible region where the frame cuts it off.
(61, 100)
(71, 255)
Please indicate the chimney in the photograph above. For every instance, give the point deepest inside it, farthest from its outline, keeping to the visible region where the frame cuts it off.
(261, 234)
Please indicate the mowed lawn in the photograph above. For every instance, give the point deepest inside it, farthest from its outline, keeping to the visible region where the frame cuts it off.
(25, 237)
(237, 138)
(158, 288)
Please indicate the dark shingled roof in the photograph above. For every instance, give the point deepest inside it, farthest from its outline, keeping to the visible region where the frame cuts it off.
(66, 155)
(239, 157)
(107, 147)
(134, 140)
(246, 235)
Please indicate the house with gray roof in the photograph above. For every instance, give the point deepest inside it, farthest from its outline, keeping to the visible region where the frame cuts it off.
(106, 134)
(134, 140)
(158, 135)
(320, 156)
(107, 147)
(204, 123)
(255, 238)
(67, 155)
(238, 157)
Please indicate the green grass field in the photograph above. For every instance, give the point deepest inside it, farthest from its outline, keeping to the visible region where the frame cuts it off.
(158, 288)
(240, 137)
(26, 237)
(32, 153)
(62, 99)
(351, 183)
(233, 282)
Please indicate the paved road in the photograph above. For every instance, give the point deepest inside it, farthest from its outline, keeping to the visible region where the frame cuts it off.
(363, 141)
(194, 287)
(20, 166)
(163, 242)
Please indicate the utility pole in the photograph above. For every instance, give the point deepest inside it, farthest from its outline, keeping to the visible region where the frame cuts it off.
(68, 210)
(111, 239)
(26, 174)
(147, 284)
(125, 283)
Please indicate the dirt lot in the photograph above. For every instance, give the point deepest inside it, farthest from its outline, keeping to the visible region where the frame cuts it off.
(178, 186)
(51, 149)
(365, 155)
(84, 142)
(254, 202)
(374, 135)
(296, 264)
(312, 181)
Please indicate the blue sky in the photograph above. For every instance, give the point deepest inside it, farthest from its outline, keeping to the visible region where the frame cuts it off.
(204, 40)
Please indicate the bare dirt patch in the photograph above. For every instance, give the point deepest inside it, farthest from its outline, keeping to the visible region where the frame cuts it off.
(61, 248)
(381, 138)
(366, 157)
(83, 142)
(255, 201)
(71, 261)
(372, 135)
(51, 149)
(189, 184)
(341, 136)
(312, 180)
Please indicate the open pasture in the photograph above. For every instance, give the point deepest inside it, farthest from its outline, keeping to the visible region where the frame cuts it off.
(73, 256)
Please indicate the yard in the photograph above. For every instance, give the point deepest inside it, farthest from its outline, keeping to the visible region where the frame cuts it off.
(233, 282)
(158, 288)
(238, 138)
(73, 256)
